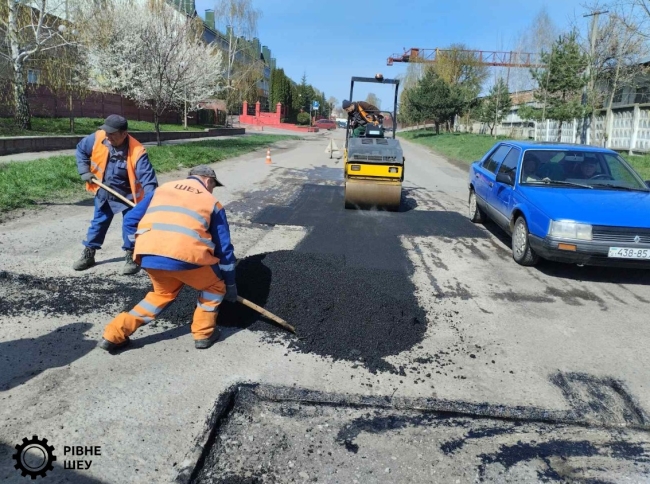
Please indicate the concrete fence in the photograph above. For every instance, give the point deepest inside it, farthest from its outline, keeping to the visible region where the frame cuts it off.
(26, 144)
(629, 130)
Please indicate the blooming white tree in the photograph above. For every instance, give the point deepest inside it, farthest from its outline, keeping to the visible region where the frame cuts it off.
(155, 55)
(33, 29)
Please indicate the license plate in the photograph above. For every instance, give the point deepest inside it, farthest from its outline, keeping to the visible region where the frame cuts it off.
(629, 253)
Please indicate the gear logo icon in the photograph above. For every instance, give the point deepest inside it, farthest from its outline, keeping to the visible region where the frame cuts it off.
(34, 457)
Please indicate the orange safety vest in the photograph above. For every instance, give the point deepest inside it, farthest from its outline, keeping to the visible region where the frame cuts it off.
(177, 224)
(99, 158)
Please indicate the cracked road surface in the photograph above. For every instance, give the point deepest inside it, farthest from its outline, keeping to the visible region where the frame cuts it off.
(417, 335)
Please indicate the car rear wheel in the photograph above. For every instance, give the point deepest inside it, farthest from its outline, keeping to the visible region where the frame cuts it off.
(476, 215)
(522, 252)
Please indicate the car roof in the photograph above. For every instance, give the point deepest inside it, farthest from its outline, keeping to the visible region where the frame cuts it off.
(548, 145)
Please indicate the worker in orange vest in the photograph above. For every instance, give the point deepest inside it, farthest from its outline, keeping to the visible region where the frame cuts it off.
(181, 236)
(120, 162)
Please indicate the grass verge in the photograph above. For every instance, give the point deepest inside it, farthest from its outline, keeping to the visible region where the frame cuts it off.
(468, 147)
(30, 182)
(82, 126)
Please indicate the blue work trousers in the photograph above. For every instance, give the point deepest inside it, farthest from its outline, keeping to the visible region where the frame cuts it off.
(102, 219)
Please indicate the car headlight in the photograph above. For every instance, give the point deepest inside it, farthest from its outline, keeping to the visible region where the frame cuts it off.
(567, 229)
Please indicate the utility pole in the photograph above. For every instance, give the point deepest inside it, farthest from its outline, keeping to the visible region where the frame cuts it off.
(590, 87)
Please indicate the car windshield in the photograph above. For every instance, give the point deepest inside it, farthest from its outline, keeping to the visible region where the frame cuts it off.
(575, 167)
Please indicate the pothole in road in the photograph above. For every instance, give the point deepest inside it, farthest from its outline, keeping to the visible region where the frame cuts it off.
(275, 434)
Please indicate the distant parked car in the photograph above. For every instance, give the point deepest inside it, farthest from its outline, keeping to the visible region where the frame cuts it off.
(325, 124)
(568, 203)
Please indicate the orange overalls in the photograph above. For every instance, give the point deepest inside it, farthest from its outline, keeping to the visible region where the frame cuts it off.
(176, 225)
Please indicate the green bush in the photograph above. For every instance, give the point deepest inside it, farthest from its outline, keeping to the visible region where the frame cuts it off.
(303, 118)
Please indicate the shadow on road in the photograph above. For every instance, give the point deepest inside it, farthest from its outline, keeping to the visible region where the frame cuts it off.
(23, 359)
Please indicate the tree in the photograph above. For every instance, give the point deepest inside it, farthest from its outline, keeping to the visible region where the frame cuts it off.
(536, 37)
(304, 95)
(635, 14)
(332, 103)
(495, 106)
(30, 29)
(373, 99)
(67, 74)
(463, 73)
(155, 56)
(619, 48)
(282, 90)
(243, 67)
(560, 83)
(432, 99)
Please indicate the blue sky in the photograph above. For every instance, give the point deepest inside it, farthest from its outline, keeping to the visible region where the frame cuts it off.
(332, 40)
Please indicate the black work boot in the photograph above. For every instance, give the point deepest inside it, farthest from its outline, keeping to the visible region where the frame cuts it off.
(110, 346)
(130, 267)
(86, 261)
(202, 344)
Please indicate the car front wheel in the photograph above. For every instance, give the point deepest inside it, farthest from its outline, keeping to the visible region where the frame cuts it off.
(522, 252)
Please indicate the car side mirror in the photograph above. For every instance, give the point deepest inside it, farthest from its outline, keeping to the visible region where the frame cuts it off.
(505, 178)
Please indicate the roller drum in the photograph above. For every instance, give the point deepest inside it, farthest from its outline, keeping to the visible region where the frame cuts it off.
(373, 195)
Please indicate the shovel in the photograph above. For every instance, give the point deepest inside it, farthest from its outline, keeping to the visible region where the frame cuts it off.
(240, 299)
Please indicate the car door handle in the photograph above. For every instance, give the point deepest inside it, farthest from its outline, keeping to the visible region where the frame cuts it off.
(491, 184)
(476, 175)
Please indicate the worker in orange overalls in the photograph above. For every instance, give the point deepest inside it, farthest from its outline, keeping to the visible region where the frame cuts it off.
(120, 162)
(181, 236)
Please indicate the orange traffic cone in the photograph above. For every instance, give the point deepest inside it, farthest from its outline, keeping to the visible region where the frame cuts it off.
(268, 156)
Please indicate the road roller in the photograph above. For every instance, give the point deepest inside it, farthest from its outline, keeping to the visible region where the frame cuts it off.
(373, 162)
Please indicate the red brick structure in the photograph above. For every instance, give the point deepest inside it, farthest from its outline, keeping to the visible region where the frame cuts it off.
(268, 119)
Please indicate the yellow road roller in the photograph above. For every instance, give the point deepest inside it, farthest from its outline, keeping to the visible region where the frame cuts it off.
(374, 163)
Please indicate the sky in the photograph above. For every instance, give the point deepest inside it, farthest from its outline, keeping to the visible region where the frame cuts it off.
(332, 40)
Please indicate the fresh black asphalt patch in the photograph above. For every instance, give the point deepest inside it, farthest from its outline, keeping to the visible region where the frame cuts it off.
(261, 433)
(362, 315)
(365, 238)
(346, 287)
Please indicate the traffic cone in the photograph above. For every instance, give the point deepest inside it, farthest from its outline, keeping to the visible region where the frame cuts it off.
(268, 156)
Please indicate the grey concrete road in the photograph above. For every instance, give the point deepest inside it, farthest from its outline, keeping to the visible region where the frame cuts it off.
(556, 344)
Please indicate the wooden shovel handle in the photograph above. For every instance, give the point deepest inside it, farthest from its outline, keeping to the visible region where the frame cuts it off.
(110, 190)
(266, 313)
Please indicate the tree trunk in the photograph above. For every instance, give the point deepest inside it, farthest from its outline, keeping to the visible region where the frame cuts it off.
(608, 113)
(156, 120)
(71, 113)
(22, 116)
(437, 124)
(21, 108)
(559, 132)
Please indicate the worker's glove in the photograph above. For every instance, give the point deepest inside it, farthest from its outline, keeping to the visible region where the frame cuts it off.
(231, 293)
(87, 177)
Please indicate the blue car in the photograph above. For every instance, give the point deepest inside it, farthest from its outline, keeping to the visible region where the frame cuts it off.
(569, 203)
